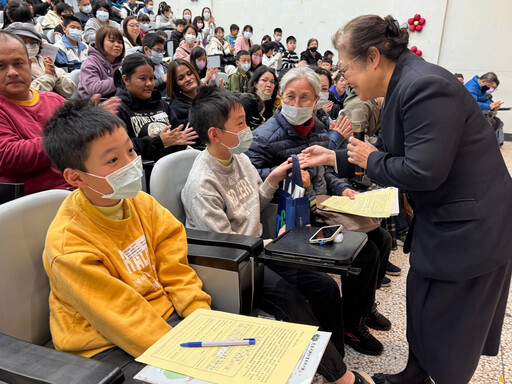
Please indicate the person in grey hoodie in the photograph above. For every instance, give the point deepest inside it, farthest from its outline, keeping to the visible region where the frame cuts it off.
(105, 56)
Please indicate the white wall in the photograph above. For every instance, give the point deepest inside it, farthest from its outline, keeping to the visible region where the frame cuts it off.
(477, 39)
(467, 36)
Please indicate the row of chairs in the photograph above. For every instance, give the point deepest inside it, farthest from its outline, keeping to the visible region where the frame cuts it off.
(225, 264)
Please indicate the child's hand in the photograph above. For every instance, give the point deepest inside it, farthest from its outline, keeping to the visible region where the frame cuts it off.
(351, 194)
(279, 173)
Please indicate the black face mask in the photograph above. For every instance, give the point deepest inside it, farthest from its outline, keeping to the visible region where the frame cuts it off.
(313, 49)
(485, 88)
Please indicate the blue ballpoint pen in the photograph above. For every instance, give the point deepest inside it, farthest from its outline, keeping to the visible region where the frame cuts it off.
(226, 343)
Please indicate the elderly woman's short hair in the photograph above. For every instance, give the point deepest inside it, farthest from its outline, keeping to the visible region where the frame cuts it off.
(302, 72)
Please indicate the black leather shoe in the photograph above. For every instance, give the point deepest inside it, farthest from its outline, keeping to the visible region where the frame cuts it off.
(380, 378)
(359, 338)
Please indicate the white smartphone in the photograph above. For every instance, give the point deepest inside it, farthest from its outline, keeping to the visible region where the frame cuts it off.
(325, 234)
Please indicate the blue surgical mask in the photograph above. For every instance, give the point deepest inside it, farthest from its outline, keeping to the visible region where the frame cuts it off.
(144, 27)
(149, 8)
(244, 141)
(247, 34)
(102, 15)
(125, 182)
(75, 34)
(156, 57)
(87, 9)
(206, 15)
(245, 67)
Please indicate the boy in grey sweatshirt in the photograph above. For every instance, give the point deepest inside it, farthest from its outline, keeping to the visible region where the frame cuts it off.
(224, 193)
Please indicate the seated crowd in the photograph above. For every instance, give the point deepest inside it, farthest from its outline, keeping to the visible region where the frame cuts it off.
(163, 98)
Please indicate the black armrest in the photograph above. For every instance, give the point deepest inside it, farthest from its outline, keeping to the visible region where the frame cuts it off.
(228, 258)
(25, 363)
(253, 245)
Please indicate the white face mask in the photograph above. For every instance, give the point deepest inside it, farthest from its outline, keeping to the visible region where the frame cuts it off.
(32, 49)
(125, 182)
(262, 96)
(324, 98)
(190, 38)
(244, 141)
(296, 115)
(490, 90)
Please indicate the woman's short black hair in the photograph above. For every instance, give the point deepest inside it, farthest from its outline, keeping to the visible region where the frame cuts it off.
(68, 134)
(320, 71)
(190, 26)
(256, 78)
(216, 104)
(248, 27)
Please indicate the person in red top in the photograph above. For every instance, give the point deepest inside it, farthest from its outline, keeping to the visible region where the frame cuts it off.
(23, 113)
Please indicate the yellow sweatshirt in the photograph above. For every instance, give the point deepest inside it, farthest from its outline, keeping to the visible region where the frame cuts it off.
(115, 282)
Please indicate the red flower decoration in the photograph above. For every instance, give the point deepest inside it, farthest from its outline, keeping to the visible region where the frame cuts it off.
(416, 23)
(416, 51)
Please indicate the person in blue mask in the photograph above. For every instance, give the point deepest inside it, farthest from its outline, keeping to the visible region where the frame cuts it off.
(85, 12)
(102, 12)
(154, 48)
(148, 9)
(71, 48)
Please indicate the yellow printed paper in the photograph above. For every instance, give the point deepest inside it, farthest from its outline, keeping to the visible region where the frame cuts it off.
(272, 359)
(378, 203)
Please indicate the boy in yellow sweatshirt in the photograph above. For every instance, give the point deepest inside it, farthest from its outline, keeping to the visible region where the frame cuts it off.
(115, 258)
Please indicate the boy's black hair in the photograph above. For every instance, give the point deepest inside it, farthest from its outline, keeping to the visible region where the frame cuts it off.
(70, 18)
(278, 30)
(234, 27)
(290, 38)
(241, 53)
(152, 39)
(267, 46)
(327, 60)
(211, 108)
(74, 125)
(180, 22)
(143, 17)
(218, 29)
(328, 53)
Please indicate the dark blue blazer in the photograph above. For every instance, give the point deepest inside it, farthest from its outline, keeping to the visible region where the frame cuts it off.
(438, 146)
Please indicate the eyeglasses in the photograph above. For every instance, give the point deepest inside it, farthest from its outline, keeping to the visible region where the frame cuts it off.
(268, 81)
(304, 101)
(345, 67)
(158, 50)
(133, 25)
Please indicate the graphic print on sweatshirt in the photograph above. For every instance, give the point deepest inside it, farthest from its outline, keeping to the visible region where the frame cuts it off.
(149, 124)
(242, 195)
(137, 261)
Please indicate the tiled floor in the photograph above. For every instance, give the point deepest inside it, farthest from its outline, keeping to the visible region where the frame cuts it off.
(392, 304)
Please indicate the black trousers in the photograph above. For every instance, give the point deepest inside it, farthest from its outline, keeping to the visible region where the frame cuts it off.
(308, 297)
(450, 324)
(359, 291)
(116, 356)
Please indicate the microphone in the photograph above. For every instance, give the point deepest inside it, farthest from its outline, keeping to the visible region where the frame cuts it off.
(358, 123)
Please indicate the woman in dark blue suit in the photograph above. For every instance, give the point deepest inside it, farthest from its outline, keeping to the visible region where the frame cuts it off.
(439, 148)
